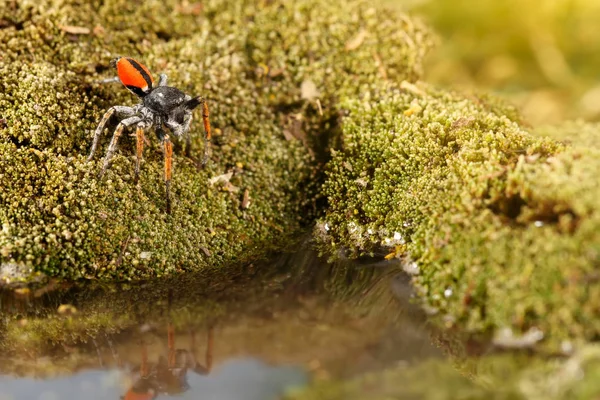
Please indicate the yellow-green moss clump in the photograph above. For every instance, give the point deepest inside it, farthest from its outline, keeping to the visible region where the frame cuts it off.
(499, 227)
(272, 72)
(544, 56)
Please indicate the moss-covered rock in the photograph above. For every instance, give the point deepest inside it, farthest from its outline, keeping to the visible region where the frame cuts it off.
(273, 73)
(500, 227)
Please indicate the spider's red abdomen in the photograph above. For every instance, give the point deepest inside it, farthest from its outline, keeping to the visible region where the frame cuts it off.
(134, 75)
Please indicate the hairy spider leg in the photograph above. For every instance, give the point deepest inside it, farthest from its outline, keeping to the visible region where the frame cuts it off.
(121, 111)
(168, 152)
(112, 147)
(162, 80)
(114, 79)
(139, 149)
(207, 133)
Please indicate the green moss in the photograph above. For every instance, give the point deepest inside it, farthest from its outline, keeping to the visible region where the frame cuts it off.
(58, 218)
(499, 226)
(542, 56)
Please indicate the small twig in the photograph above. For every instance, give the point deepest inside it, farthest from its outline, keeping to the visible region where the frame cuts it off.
(123, 248)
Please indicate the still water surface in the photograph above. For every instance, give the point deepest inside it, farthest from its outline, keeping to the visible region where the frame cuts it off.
(254, 333)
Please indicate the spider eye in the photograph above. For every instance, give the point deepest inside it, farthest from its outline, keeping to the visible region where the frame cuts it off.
(135, 76)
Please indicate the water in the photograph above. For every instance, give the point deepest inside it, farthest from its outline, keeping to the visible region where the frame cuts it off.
(255, 332)
(243, 378)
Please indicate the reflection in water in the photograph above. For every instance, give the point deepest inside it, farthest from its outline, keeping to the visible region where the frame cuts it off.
(169, 375)
(243, 334)
(237, 379)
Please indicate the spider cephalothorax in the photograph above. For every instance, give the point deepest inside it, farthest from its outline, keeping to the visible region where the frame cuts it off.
(161, 107)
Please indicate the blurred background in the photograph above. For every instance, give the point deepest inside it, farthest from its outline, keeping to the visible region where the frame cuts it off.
(541, 55)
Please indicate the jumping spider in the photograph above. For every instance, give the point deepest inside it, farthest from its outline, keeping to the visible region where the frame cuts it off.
(161, 106)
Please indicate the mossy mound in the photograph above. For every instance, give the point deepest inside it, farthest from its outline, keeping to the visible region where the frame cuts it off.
(273, 89)
(500, 227)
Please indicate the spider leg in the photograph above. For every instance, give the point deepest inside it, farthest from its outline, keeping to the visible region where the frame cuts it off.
(139, 148)
(99, 130)
(168, 152)
(109, 80)
(180, 129)
(112, 147)
(207, 134)
(119, 110)
(162, 80)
